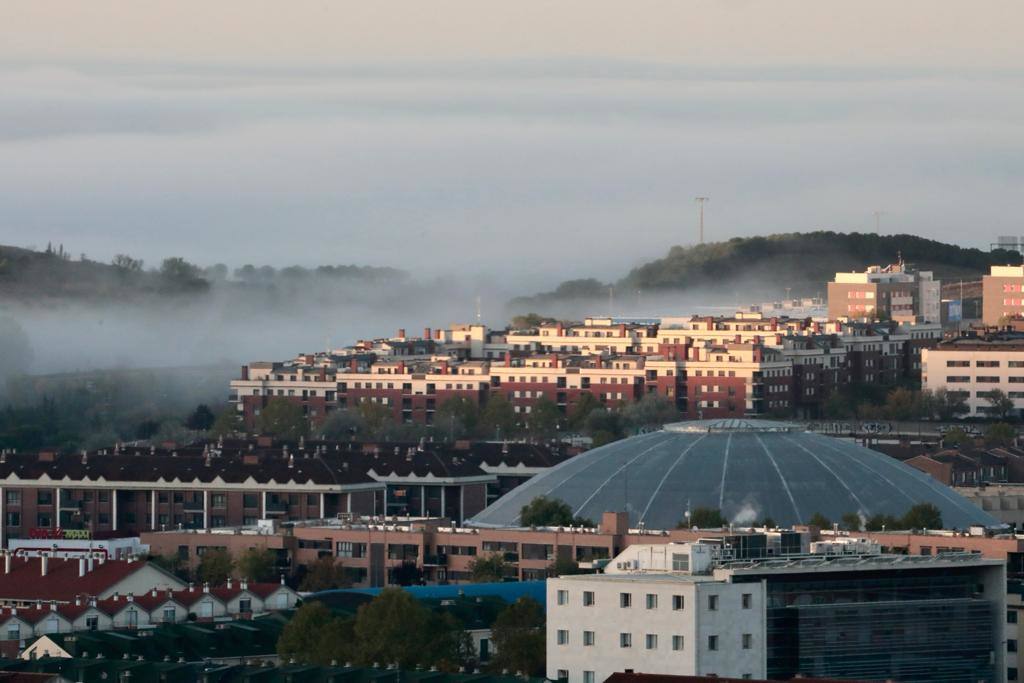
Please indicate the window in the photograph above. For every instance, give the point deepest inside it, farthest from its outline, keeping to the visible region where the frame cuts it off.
(652, 601)
(986, 363)
(712, 603)
(43, 520)
(748, 640)
(677, 643)
(746, 600)
(14, 632)
(651, 641)
(678, 602)
(588, 638)
(219, 500)
(563, 674)
(563, 636)
(1011, 645)
(92, 623)
(169, 615)
(680, 562)
(958, 363)
(712, 642)
(245, 605)
(563, 597)
(13, 519)
(1011, 616)
(625, 600)
(14, 497)
(350, 549)
(588, 598)
(625, 640)
(588, 677)
(44, 497)
(132, 618)
(1011, 673)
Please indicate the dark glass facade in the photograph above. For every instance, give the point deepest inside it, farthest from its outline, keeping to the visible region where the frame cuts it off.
(906, 625)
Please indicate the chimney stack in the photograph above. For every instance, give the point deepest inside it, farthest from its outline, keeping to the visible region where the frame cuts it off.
(7, 562)
(44, 562)
(229, 583)
(81, 567)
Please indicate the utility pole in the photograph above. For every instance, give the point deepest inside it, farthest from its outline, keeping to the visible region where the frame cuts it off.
(700, 203)
(878, 221)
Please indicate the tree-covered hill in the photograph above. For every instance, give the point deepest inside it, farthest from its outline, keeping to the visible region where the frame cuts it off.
(803, 262)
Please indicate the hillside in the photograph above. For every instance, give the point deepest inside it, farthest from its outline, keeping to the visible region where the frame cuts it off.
(803, 262)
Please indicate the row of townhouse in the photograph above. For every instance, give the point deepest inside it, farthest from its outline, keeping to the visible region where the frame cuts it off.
(708, 367)
(128, 489)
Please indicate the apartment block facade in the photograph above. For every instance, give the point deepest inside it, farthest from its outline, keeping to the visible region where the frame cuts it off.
(892, 292)
(974, 365)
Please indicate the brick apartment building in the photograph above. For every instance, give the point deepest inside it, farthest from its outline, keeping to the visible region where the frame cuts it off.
(126, 490)
(711, 367)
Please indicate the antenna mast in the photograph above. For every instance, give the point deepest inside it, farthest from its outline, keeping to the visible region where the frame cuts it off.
(700, 203)
(878, 221)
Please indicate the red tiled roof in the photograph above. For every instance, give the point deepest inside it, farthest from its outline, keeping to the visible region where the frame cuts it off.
(62, 582)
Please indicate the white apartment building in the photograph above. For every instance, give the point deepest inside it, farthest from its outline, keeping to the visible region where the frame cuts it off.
(655, 615)
(975, 366)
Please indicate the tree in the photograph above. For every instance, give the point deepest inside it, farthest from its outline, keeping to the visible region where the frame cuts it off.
(542, 420)
(1000, 434)
(457, 417)
(821, 521)
(923, 516)
(1000, 405)
(376, 417)
(881, 522)
(704, 518)
(603, 426)
(201, 419)
(946, 405)
(851, 521)
(519, 640)
(490, 568)
(315, 635)
(127, 264)
(650, 411)
(257, 564)
(498, 417)
(585, 405)
(324, 574)
(392, 629)
(178, 270)
(544, 511)
(564, 565)
(340, 425)
(228, 422)
(901, 404)
(215, 567)
(173, 563)
(957, 437)
(280, 417)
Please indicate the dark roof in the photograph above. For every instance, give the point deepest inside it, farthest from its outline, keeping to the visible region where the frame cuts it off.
(320, 462)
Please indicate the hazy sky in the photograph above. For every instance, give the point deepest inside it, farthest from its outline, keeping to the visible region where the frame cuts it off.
(535, 140)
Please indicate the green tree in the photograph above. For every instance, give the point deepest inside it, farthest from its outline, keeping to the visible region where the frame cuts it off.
(498, 417)
(228, 422)
(341, 425)
(490, 568)
(1000, 434)
(585, 405)
(280, 417)
(948, 405)
(851, 521)
(603, 426)
(881, 522)
(519, 640)
(650, 411)
(177, 269)
(457, 417)
(172, 563)
(324, 574)
(376, 417)
(923, 516)
(901, 404)
(704, 518)
(257, 564)
(215, 567)
(200, 419)
(126, 263)
(821, 521)
(956, 438)
(544, 511)
(543, 418)
(315, 635)
(393, 629)
(1000, 405)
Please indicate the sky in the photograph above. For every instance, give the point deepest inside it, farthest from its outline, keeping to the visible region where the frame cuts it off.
(529, 141)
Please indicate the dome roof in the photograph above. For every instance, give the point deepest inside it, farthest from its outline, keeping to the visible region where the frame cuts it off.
(748, 469)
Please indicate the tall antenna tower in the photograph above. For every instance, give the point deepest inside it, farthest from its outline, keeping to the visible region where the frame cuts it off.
(878, 221)
(478, 312)
(611, 302)
(700, 204)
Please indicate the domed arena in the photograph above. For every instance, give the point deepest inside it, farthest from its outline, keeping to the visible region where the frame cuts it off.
(749, 469)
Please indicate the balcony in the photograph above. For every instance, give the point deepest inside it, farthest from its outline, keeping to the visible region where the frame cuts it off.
(276, 508)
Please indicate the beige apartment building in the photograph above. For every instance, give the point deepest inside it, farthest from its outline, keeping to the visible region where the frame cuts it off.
(975, 366)
(1002, 293)
(894, 292)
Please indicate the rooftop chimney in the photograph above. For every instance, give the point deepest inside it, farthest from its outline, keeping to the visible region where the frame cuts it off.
(44, 563)
(229, 583)
(81, 566)
(7, 562)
